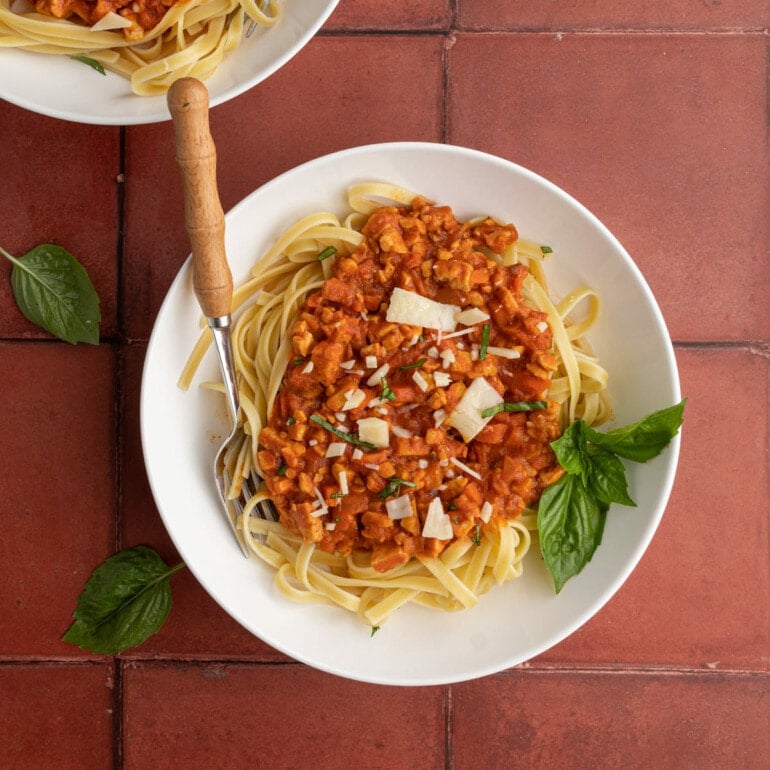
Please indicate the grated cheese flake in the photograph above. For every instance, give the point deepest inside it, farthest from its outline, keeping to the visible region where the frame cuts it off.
(399, 507)
(437, 523)
(466, 416)
(420, 381)
(374, 430)
(503, 352)
(378, 375)
(486, 511)
(464, 468)
(336, 449)
(471, 315)
(408, 307)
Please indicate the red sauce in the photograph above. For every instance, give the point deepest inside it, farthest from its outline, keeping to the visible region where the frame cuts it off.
(421, 249)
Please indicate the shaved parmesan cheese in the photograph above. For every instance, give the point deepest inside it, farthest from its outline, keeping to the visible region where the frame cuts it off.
(408, 307)
(348, 364)
(459, 333)
(353, 399)
(401, 432)
(344, 482)
(448, 357)
(466, 416)
(336, 449)
(486, 511)
(421, 382)
(399, 507)
(109, 21)
(330, 526)
(542, 326)
(438, 416)
(378, 375)
(322, 508)
(470, 316)
(371, 362)
(357, 454)
(437, 523)
(464, 468)
(308, 368)
(442, 379)
(374, 430)
(504, 352)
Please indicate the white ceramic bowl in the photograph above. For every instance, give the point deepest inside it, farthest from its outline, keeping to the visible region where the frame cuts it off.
(60, 87)
(417, 646)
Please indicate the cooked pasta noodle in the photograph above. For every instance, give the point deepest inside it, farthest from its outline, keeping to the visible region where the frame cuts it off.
(267, 308)
(190, 40)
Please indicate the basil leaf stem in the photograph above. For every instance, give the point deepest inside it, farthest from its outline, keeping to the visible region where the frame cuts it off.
(329, 251)
(515, 406)
(349, 437)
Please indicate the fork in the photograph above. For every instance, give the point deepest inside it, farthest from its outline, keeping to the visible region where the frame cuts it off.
(188, 103)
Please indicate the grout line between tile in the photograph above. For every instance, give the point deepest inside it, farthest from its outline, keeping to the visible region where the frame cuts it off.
(117, 714)
(448, 733)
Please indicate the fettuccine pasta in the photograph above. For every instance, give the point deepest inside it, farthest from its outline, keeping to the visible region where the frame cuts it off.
(190, 40)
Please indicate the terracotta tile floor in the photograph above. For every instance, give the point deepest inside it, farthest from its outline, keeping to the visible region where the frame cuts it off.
(653, 114)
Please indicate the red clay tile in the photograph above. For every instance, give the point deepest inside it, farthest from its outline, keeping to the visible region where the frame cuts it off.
(60, 185)
(700, 597)
(636, 128)
(245, 716)
(390, 15)
(606, 14)
(56, 716)
(58, 488)
(288, 119)
(196, 626)
(634, 721)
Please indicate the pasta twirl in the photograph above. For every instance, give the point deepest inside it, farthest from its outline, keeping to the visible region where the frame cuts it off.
(402, 375)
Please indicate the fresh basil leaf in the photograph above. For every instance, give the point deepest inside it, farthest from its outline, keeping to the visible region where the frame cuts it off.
(645, 439)
(606, 477)
(570, 448)
(126, 600)
(571, 523)
(54, 292)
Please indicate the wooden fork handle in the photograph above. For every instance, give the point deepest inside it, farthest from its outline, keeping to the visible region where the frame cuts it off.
(196, 155)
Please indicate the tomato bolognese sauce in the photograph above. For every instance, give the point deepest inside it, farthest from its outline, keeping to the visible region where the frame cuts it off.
(365, 449)
(402, 374)
(142, 15)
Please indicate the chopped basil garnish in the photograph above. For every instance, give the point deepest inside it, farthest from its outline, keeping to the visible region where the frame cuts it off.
(415, 365)
(290, 421)
(387, 391)
(476, 536)
(329, 251)
(516, 406)
(282, 469)
(375, 629)
(394, 486)
(484, 342)
(349, 437)
(92, 63)
(298, 361)
(546, 250)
